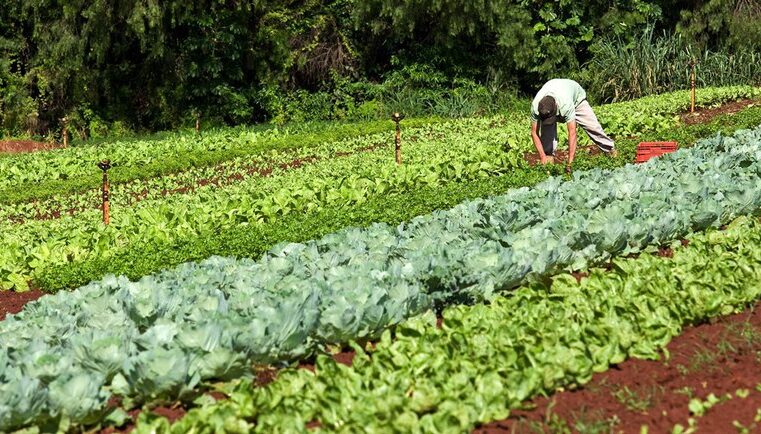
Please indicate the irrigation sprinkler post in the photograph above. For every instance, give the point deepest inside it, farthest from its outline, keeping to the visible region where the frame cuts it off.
(692, 85)
(104, 166)
(397, 118)
(65, 131)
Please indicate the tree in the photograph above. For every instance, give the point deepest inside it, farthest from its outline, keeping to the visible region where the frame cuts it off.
(532, 38)
(723, 23)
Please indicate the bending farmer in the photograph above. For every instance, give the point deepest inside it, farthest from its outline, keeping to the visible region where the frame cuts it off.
(564, 100)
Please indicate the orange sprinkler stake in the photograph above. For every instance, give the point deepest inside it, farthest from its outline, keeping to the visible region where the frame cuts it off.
(397, 118)
(65, 132)
(104, 166)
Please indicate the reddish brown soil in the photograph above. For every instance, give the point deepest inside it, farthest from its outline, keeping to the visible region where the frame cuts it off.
(717, 358)
(345, 358)
(265, 376)
(704, 115)
(561, 155)
(23, 146)
(171, 413)
(578, 275)
(12, 302)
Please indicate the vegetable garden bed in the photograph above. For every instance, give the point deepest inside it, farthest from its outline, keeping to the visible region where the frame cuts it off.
(706, 114)
(487, 359)
(24, 146)
(130, 193)
(452, 152)
(210, 320)
(706, 379)
(191, 334)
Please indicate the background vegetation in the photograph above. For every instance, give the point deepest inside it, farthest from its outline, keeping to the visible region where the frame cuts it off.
(113, 66)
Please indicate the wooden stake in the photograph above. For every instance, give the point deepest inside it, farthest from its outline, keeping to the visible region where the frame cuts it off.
(692, 86)
(104, 166)
(198, 123)
(397, 118)
(65, 132)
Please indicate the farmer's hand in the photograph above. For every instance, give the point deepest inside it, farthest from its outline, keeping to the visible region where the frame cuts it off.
(548, 159)
(568, 169)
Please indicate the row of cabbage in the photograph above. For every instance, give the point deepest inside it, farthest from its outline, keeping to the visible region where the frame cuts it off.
(486, 360)
(162, 335)
(453, 151)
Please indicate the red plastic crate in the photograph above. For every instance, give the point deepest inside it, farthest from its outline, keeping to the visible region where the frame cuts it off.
(648, 150)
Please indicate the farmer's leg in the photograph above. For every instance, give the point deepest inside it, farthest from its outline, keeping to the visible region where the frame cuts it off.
(586, 118)
(549, 136)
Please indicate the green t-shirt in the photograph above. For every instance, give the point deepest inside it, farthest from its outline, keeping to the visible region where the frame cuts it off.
(567, 93)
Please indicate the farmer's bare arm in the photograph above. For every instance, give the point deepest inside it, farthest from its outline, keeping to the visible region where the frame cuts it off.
(538, 141)
(571, 142)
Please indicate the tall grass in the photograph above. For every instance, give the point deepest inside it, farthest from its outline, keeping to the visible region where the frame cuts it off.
(656, 64)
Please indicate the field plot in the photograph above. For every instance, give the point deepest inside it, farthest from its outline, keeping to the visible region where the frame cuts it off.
(709, 382)
(162, 337)
(56, 234)
(477, 362)
(345, 217)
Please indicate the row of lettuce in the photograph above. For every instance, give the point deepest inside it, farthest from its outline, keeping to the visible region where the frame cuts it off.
(442, 153)
(161, 336)
(35, 176)
(271, 163)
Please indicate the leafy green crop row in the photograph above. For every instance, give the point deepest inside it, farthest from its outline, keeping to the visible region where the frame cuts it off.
(45, 174)
(656, 113)
(487, 359)
(40, 175)
(234, 171)
(446, 152)
(253, 240)
(161, 335)
(434, 160)
(621, 119)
